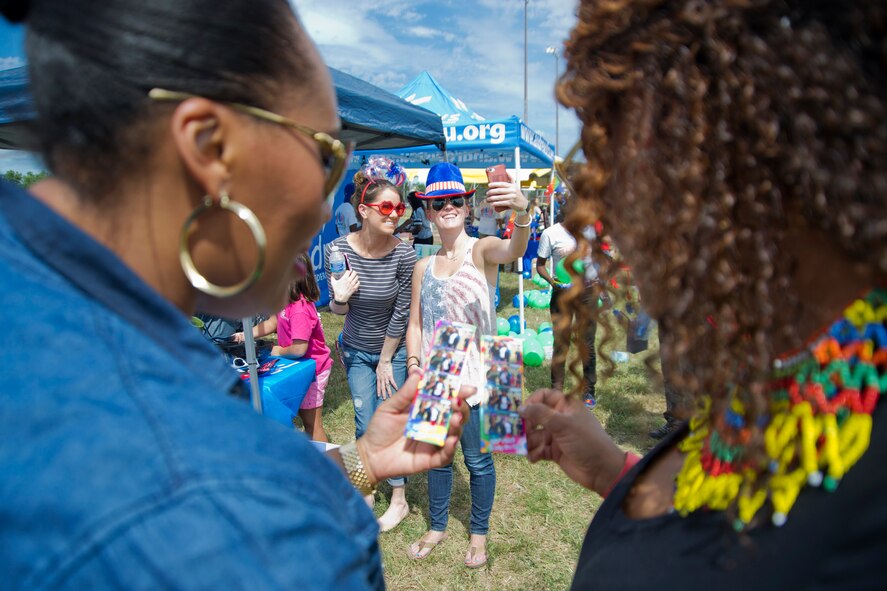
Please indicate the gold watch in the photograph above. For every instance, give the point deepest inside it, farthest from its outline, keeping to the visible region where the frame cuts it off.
(355, 469)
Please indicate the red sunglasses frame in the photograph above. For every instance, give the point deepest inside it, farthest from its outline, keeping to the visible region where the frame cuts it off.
(400, 208)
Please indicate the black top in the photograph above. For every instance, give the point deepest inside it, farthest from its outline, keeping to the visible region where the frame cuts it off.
(831, 540)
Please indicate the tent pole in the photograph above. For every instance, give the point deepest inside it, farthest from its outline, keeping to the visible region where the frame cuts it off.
(255, 394)
(520, 261)
(551, 215)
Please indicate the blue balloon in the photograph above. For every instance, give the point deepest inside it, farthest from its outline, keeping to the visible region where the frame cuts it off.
(527, 273)
(515, 301)
(514, 323)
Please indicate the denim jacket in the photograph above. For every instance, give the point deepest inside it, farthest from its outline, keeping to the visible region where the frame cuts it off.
(124, 463)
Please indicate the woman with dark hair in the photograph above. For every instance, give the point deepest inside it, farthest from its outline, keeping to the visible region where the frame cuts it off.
(124, 463)
(735, 151)
(374, 296)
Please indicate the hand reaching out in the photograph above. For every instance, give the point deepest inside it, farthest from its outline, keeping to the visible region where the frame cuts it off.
(564, 431)
(388, 453)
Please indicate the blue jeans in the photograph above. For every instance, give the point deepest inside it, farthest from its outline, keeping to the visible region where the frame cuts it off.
(360, 366)
(482, 481)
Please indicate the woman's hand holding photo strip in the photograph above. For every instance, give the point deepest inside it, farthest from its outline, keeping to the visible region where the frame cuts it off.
(439, 387)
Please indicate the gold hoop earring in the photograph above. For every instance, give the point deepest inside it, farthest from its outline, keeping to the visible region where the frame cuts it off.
(252, 222)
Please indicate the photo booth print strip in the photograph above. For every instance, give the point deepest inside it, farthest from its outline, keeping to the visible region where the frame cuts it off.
(502, 429)
(432, 404)
(429, 420)
(502, 432)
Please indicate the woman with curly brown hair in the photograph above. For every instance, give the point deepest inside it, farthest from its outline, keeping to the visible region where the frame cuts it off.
(753, 133)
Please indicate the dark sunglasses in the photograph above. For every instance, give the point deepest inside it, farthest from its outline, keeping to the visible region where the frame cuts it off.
(386, 207)
(440, 203)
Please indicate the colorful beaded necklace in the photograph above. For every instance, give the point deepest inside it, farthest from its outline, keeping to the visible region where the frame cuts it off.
(818, 425)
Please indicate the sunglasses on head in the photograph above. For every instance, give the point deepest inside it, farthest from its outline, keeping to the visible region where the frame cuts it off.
(386, 207)
(439, 203)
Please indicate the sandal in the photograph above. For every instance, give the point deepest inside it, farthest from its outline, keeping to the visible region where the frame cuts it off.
(472, 561)
(423, 544)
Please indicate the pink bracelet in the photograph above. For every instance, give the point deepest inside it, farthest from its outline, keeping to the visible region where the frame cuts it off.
(630, 460)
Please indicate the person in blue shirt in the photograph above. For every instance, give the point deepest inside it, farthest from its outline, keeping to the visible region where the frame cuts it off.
(345, 216)
(192, 144)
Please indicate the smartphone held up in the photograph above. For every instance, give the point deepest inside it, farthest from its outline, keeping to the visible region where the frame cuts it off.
(498, 174)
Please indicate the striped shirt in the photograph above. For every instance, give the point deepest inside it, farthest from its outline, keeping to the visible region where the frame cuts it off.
(381, 305)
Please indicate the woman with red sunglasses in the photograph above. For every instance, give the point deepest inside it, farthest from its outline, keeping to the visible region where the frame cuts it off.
(459, 284)
(374, 296)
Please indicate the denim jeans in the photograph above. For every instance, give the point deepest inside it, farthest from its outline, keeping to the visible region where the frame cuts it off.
(360, 366)
(482, 481)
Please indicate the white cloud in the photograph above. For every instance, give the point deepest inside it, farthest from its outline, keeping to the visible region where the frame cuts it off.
(429, 33)
(474, 49)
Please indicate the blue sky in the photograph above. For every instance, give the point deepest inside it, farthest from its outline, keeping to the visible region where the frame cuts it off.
(473, 48)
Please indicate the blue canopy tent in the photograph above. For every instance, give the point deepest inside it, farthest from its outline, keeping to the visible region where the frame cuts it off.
(471, 140)
(474, 142)
(16, 109)
(424, 91)
(371, 117)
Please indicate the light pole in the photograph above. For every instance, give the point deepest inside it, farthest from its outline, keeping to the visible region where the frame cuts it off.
(553, 51)
(526, 5)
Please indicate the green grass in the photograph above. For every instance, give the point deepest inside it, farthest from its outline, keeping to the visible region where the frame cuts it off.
(539, 516)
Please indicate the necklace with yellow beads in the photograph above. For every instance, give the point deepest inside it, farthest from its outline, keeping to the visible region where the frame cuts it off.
(818, 425)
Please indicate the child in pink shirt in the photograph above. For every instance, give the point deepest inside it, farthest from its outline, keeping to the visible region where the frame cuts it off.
(300, 335)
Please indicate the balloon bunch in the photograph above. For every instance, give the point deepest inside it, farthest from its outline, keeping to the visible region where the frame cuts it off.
(537, 346)
(534, 298)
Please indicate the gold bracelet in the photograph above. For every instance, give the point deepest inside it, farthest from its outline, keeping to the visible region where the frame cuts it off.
(355, 469)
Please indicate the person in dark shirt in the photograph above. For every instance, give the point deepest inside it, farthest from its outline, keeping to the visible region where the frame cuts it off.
(735, 151)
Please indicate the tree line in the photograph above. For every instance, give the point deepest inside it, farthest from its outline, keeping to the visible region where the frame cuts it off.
(24, 179)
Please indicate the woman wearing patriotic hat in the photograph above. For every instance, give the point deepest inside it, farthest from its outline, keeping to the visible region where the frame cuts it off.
(458, 284)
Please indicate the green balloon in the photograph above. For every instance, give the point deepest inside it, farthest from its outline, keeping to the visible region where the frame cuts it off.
(546, 339)
(560, 271)
(537, 279)
(502, 326)
(545, 326)
(530, 332)
(533, 352)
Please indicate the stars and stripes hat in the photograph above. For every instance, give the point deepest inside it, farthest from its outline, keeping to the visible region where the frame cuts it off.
(444, 180)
